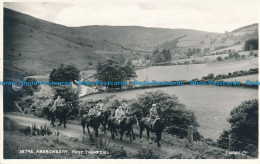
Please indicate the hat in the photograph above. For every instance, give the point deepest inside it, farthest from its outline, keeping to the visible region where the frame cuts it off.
(154, 105)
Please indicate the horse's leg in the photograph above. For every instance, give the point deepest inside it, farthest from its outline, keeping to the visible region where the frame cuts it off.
(132, 131)
(88, 130)
(112, 133)
(96, 132)
(60, 117)
(104, 127)
(121, 134)
(158, 138)
(83, 126)
(141, 132)
(52, 120)
(64, 121)
(129, 132)
(148, 133)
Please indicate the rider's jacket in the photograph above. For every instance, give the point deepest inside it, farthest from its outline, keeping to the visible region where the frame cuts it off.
(119, 113)
(153, 113)
(92, 111)
(58, 103)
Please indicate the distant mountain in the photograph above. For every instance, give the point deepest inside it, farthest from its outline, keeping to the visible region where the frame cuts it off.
(139, 38)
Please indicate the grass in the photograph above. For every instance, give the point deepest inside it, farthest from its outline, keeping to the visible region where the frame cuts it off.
(184, 72)
(243, 79)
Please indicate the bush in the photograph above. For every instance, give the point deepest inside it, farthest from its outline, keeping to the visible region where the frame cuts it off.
(146, 153)
(244, 128)
(118, 152)
(171, 111)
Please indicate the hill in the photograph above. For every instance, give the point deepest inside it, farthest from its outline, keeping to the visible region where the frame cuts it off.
(33, 46)
(139, 38)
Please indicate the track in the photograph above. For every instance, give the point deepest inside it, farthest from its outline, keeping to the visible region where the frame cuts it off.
(74, 130)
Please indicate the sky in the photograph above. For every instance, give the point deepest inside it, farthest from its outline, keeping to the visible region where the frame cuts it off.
(204, 15)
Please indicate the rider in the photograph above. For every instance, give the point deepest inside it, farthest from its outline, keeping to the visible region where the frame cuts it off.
(125, 107)
(119, 114)
(92, 112)
(153, 114)
(58, 103)
(100, 107)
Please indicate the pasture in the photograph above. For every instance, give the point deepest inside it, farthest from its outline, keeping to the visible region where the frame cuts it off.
(211, 104)
(243, 79)
(189, 72)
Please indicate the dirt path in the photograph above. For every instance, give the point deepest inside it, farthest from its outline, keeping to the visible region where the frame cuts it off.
(74, 130)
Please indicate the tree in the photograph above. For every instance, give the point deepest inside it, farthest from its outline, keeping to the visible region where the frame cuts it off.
(112, 71)
(30, 89)
(174, 113)
(244, 128)
(167, 55)
(64, 73)
(219, 58)
(251, 44)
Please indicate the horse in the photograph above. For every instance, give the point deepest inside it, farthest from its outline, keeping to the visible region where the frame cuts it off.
(126, 124)
(104, 119)
(93, 121)
(157, 128)
(61, 114)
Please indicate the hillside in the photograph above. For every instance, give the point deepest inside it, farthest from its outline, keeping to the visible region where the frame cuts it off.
(33, 46)
(140, 38)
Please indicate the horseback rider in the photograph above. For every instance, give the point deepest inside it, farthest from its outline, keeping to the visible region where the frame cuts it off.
(153, 115)
(100, 107)
(92, 112)
(58, 103)
(119, 114)
(125, 107)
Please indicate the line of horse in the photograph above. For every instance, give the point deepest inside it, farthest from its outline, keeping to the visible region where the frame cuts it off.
(109, 123)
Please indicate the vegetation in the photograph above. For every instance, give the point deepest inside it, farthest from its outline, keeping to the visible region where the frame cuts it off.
(113, 71)
(64, 73)
(161, 56)
(177, 118)
(251, 44)
(30, 89)
(244, 128)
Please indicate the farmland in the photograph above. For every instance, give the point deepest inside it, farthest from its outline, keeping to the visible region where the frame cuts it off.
(243, 79)
(189, 72)
(211, 105)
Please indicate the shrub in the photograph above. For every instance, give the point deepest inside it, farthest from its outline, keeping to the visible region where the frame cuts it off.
(173, 112)
(146, 153)
(244, 128)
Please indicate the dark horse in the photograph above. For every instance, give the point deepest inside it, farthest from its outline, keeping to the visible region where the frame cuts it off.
(157, 128)
(104, 119)
(126, 124)
(93, 121)
(61, 114)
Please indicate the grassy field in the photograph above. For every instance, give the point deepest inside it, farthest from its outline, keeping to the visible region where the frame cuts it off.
(243, 79)
(211, 104)
(189, 72)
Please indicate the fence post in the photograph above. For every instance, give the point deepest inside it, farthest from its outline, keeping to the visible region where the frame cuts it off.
(190, 134)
